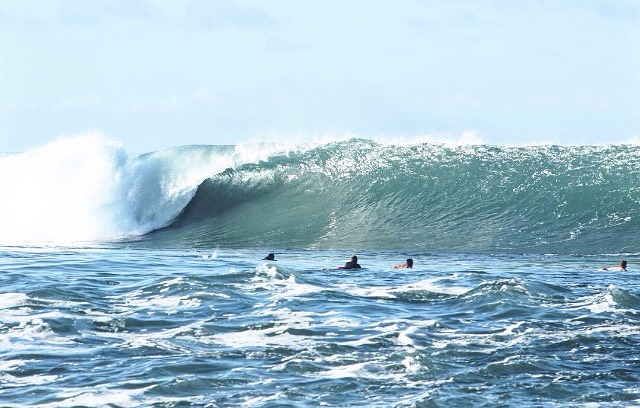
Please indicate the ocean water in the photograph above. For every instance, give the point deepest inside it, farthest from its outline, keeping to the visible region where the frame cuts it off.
(138, 280)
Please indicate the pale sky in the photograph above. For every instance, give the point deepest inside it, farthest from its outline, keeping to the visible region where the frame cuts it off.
(159, 73)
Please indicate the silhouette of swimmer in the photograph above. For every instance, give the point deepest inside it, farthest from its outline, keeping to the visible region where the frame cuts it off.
(270, 257)
(352, 264)
(622, 266)
(409, 264)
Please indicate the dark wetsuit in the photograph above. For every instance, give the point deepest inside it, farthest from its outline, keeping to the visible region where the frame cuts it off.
(352, 265)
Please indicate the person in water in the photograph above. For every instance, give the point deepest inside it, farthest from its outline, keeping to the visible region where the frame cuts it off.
(270, 257)
(409, 264)
(351, 264)
(622, 266)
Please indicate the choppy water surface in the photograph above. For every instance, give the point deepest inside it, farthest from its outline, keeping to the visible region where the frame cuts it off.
(125, 326)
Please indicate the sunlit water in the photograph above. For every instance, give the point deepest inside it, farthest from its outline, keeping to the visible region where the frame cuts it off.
(127, 327)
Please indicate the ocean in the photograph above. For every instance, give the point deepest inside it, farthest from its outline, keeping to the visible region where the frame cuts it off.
(138, 280)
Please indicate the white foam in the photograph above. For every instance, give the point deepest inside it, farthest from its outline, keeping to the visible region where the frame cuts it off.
(368, 369)
(601, 307)
(597, 303)
(8, 300)
(411, 364)
(163, 339)
(283, 284)
(262, 400)
(56, 193)
(404, 338)
(88, 188)
(98, 397)
(169, 304)
(383, 293)
(268, 270)
(9, 380)
(24, 316)
(341, 322)
(347, 371)
(392, 292)
(13, 364)
(34, 334)
(261, 338)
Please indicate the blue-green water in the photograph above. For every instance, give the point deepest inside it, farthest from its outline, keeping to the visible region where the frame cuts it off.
(138, 280)
(128, 326)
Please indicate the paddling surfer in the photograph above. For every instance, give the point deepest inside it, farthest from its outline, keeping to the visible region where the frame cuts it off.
(351, 264)
(620, 267)
(408, 264)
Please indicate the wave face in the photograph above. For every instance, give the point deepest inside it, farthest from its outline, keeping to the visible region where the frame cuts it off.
(355, 194)
(423, 197)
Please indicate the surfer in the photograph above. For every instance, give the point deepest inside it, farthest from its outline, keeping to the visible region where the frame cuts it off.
(409, 264)
(351, 264)
(270, 257)
(620, 267)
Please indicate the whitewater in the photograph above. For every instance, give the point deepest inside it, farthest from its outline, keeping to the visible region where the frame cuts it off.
(138, 279)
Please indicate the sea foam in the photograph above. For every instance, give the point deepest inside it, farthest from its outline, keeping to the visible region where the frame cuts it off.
(89, 188)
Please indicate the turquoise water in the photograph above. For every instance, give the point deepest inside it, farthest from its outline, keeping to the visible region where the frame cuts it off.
(126, 325)
(361, 194)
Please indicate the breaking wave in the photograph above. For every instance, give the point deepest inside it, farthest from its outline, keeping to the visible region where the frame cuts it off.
(345, 194)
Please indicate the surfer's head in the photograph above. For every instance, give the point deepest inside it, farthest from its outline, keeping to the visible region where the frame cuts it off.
(409, 263)
(270, 257)
(623, 264)
(354, 259)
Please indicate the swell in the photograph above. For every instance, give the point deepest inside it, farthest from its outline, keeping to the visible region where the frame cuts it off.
(424, 197)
